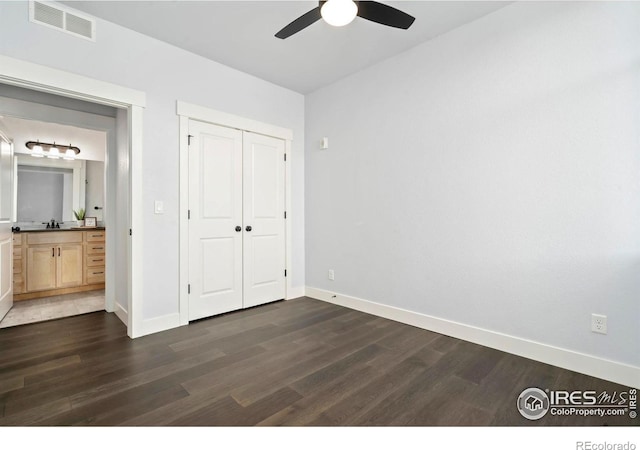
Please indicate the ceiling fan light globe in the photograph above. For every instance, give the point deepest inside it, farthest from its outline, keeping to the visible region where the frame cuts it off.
(339, 13)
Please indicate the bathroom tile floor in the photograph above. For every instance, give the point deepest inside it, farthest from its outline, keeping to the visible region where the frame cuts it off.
(56, 307)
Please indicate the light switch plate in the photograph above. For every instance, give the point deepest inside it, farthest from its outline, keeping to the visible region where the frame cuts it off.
(158, 207)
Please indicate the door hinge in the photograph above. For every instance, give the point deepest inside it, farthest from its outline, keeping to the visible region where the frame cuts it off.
(189, 136)
(188, 289)
(285, 272)
(285, 214)
(285, 156)
(189, 214)
(129, 231)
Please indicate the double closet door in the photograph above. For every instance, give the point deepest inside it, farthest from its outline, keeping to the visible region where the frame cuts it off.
(236, 219)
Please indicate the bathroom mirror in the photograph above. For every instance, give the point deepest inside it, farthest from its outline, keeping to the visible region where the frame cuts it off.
(48, 189)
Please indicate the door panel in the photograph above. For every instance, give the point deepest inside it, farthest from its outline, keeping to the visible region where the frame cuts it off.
(69, 265)
(218, 158)
(215, 204)
(41, 268)
(6, 238)
(264, 271)
(266, 162)
(263, 208)
(218, 257)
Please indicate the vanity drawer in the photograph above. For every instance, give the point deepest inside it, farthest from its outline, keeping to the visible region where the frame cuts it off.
(17, 268)
(95, 275)
(54, 237)
(17, 239)
(18, 285)
(95, 248)
(95, 236)
(95, 260)
(17, 252)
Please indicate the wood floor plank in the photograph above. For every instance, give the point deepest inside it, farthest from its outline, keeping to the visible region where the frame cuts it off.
(419, 390)
(327, 374)
(438, 405)
(133, 401)
(34, 395)
(223, 412)
(11, 384)
(374, 392)
(264, 386)
(141, 377)
(483, 362)
(311, 406)
(243, 373)
(33, 416)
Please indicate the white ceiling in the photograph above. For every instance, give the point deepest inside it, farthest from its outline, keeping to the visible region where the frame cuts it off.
(240, 34)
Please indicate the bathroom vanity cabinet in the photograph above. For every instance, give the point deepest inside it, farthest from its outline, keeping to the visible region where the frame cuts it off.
(47, 263)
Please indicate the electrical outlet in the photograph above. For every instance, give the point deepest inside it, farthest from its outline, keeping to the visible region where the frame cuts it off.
(331, 275)
(599, 323)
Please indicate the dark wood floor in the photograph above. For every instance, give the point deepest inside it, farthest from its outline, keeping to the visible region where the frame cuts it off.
(301, 362)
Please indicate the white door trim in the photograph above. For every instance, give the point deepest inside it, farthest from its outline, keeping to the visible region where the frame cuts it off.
(42, 78)
(186, 111)
(204, 114)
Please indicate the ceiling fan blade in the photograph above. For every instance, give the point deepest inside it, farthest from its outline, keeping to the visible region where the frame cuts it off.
(300, 23)
(384, 14)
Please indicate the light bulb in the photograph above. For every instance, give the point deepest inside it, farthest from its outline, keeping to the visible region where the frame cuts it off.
(69, 154)
(54, 153)
(37, 151)
(339, 12)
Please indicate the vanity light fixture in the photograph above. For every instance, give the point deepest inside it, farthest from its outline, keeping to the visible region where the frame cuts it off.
(53, 151)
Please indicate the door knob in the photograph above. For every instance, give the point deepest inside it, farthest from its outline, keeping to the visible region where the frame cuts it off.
(238, 228)
(248, 228)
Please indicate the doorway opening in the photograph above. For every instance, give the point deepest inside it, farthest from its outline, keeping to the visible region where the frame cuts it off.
(122, 173)
(50, 195)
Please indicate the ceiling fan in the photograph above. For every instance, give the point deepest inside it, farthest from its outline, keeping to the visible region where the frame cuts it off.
(341, 12)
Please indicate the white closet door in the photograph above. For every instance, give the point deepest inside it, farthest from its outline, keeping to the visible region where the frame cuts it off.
(215, 204)
(264, 225)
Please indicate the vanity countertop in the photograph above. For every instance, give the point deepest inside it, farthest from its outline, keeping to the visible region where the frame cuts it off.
(47, 230)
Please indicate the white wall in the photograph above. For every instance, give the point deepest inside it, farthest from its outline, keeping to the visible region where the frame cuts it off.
(166, 74)
(490, 177)
(95, 190)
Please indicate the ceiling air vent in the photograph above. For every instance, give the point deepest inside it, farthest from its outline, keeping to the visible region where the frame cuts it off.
(63, 19)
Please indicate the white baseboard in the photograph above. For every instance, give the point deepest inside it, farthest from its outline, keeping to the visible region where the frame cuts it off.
(122, 314)
(157, 324)
(295, 292)
(567, 359)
